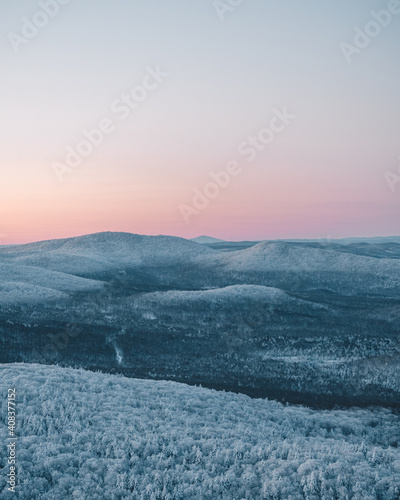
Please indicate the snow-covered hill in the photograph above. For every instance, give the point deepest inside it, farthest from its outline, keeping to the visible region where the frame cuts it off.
(100, 252)
(246, 297)
(281, 256)
(20, 283)
(280, 263)
(17, 292)
(230, 293)
(93, 436)
(206, 239)
(166, 262)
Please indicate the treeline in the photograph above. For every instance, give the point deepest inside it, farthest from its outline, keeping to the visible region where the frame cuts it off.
(305, 353)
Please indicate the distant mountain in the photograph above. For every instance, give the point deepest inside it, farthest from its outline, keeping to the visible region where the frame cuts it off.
(206, 239)
(20, 283)
(309, 323)
(347, 241)
(322, 241)
(372, 240)
(103, 252)
(160, 263)
(283, 256)
(295, 266)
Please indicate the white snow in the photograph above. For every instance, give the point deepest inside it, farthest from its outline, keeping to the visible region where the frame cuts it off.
(20, 292)
(47, 284)
(206, 239)
(281, 256)
(58, 264)
(104, 251)
(119, 355)
(91, 435)
(229, 293)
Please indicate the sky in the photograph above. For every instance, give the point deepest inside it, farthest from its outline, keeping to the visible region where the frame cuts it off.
(298, 121)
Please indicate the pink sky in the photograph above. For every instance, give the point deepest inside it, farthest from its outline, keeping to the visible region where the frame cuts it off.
(321, 176)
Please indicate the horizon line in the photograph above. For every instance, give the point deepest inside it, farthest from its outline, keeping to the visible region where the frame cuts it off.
(315, 239)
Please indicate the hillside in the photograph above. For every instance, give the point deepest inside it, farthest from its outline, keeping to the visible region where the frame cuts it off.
(96, 253)
(20, 283)
(92, 436)
(294, 265)
(281, 256)
(297, 322)
(147, 263)
(241, 296)
(206, 239)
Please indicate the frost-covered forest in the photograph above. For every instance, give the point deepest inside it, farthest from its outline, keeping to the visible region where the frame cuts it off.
(108, 337)
(86, 435)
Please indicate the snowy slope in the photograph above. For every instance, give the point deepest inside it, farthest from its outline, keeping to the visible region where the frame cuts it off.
(372, 240)
(229, 293)
(206, 239)
(168, 261)
(20, 283)
(17, 292)
(94, 436)
(231, 298)
(290, 257)
(104, 251)
(240, 295)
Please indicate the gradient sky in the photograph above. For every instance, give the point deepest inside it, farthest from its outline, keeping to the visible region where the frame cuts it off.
(323, 176)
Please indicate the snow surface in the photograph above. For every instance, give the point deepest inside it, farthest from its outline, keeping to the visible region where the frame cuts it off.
(95, 436)
(280, 256)
(61, 264)
(104, 251)
(48, 284)
(206, 239)
(21, 292)
(230, 293)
